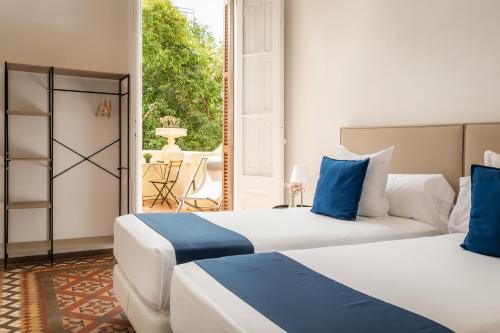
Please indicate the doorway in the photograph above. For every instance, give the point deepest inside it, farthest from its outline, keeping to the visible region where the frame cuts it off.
(182, 96)
(231, 104)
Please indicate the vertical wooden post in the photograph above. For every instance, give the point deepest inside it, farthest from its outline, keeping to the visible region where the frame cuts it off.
(228, 108)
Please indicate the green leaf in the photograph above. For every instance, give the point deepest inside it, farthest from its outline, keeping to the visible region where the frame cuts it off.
(182, 77)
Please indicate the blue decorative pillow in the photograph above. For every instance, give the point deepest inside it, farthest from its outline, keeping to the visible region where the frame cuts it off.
(339, 188)
(484, 225)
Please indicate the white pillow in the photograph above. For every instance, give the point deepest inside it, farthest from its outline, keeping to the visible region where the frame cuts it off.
(459, 217)
(491, 159)
(373, 200)
(427, 198)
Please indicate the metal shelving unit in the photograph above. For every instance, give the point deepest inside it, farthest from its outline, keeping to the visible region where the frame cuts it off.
(49, 245)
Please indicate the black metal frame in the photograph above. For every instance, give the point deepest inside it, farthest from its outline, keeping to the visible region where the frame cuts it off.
(51, 117)
(85, 158)
(51, 163)
(118, 141)
(6, 169)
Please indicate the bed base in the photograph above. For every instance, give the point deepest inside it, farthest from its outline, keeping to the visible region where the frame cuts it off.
(143, 318)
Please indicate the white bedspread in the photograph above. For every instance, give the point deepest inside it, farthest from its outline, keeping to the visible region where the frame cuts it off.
(147, 259)
(430, 276)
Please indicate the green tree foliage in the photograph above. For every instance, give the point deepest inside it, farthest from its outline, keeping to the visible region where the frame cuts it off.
(182, 77)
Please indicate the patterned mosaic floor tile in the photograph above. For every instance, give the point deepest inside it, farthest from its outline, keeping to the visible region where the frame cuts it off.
(97, 307)
(67, 300)
(75, 324)
(73, 295)
(87, 287)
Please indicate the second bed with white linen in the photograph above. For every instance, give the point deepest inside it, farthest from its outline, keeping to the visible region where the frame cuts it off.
(431, 278)
(147, 259)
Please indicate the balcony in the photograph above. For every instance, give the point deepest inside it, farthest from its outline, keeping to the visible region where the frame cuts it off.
(157, 169)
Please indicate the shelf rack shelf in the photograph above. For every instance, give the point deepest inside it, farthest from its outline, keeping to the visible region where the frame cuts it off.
(49, 245)
(28, 247)
(28, 113)
(60, 245)
(16, 67)
(29, 205)
(29, 158)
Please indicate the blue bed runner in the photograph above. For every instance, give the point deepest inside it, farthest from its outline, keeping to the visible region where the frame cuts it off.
(299, 299)
(194, 237)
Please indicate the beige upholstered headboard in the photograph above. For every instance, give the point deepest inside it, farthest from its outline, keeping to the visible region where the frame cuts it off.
(418, 149)
(477, 139)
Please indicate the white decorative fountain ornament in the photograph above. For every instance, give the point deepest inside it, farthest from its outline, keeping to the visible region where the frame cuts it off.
(172, 132)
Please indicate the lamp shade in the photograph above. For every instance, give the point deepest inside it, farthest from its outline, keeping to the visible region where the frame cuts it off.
(300, 174)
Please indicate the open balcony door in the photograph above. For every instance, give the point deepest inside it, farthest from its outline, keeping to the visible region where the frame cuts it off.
(258, 104)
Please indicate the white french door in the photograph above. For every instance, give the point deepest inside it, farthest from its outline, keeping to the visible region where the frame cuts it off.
(259, 104)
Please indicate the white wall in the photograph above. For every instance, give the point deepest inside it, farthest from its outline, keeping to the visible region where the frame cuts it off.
(359, 62)
(85, 34)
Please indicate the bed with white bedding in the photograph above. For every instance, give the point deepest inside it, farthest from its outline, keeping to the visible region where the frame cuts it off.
(146, 259)
(432, 277)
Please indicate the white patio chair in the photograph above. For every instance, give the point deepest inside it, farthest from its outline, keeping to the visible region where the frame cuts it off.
(210, 187)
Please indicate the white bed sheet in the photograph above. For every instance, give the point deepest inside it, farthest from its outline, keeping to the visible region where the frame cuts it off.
(148, 259)
(430, 276)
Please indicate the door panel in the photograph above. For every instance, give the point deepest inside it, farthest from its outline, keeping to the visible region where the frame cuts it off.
(259, 86)
(250, 146)
(251, 90)
(267, 84)
(252, 27)
(267, 25)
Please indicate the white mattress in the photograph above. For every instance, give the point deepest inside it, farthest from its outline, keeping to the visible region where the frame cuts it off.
(148, 259)
(430, 276)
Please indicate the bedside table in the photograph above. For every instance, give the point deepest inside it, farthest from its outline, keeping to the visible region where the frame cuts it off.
(286, 206)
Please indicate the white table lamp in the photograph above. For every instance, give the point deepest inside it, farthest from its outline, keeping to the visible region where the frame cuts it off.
(300, 175)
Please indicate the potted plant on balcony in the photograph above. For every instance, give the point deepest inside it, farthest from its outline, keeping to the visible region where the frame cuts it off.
(171, 130)
(147, 157)
(170, 122)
